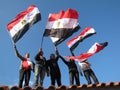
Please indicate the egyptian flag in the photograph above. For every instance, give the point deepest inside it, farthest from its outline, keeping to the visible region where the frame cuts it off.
(87, 32)
(93, 50)
(22, 22)
(62, 25)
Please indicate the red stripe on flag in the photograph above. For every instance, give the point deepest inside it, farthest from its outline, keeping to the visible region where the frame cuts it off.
(70, 13)
(84, 31)
(93, 50)
(80, 57)
(99, 47)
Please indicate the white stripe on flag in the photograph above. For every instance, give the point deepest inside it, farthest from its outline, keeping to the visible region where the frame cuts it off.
(91, 30)
(93, 48)
(62, 23)
(54, 39)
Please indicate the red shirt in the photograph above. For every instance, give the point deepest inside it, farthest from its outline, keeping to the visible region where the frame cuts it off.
(25, 64)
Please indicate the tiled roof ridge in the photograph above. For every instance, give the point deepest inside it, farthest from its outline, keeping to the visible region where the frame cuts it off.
(63, 87)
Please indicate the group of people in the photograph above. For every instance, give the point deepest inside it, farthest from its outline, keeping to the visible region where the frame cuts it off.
(41, 67)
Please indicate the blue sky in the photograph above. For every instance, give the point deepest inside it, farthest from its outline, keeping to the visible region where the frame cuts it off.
(102, 15)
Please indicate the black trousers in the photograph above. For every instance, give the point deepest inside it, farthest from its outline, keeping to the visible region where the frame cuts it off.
(89, 73)
(74, 76)
(24, 74)
(55, 77)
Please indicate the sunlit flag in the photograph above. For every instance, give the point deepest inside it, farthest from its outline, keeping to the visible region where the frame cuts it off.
(62, 25)
(93, 50)
(22, 22)
(74, 42)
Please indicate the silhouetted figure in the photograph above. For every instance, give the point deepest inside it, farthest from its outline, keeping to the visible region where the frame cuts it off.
(40, 68)
(73, 71)
(52, 65)
(88, 72)
(25, 68)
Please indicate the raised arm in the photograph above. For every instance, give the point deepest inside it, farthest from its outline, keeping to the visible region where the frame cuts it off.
(64, 60)
(56, 50)
(17, 53)
(57, 53)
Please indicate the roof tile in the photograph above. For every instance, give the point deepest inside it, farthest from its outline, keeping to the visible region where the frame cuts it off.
(100, 86)
(39, 88)
(15, 88)
(4, 88)
(62, 87)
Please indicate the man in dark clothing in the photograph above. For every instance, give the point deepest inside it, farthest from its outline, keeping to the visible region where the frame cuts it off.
(52, 65)
(40, 68)
(73, 71)
(25, 68)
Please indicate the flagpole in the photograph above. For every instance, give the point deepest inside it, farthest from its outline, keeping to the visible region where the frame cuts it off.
(12, 41)
(42, 41)
(72, 52)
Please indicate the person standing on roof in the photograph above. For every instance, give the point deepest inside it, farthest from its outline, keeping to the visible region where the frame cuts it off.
(40, 68)
(85, 66)
(53, 67)
(73, 71)
(25, 68)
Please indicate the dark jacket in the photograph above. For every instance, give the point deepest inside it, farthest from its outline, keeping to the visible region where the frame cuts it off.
(52, 65)
(41, 61)
(71, 65)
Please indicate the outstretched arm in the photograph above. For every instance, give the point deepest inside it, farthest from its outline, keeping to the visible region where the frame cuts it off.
(57, 53)
(64, 60)
(56, 50)
(17, 53)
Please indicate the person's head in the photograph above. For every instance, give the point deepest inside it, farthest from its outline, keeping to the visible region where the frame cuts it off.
(52, 56)
(27, 55)
(41, 53)
(69, 59)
